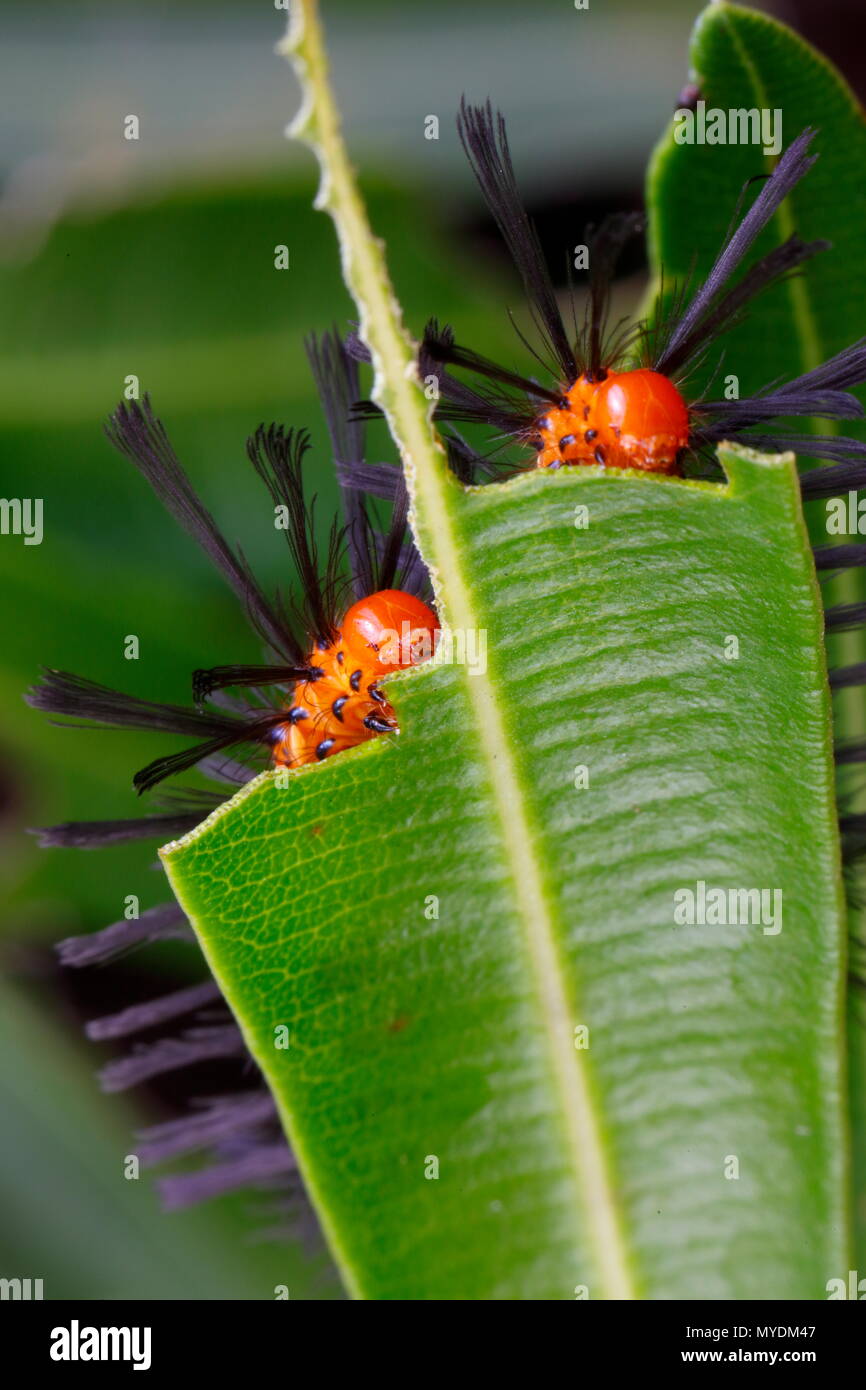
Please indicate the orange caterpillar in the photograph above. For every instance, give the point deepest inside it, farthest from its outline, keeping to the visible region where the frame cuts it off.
(321, 694)
(622, 419)
(342, 704)
(624, 397)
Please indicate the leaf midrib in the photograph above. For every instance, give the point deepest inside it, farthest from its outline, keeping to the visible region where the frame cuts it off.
(396, 390)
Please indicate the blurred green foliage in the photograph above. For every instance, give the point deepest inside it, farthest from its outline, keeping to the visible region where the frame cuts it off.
(180, 290)
(183, 293)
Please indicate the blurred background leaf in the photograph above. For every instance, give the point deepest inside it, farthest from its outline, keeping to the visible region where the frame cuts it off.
(72, 1219)
(743, 59)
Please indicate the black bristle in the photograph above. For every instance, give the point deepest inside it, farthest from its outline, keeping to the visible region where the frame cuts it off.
(74, 697)
(203, 1044)
(391, 555)
(377, 560)
(845, 616)
(97, 834)
(605, 247)
(821, 483)
(734, 416)
(374, 479)
(836, 447)
(727, 309)
(846, 676)
(205, 682)
(257, 730)
(697, 320)
(492, 405)
(259, 1163)
(220, 1118)
(135, 431)
(356, 347)
(822, 392)
(277, 455)
(485, 141)
(167, 922)
(154, 1012)
(839, 373)
(440, 346)
(468, 466)
(838, 557)
(366, 410)
(335, 372)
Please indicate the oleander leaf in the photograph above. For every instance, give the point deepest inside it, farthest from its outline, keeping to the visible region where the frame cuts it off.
(741, 59)
(432, 947)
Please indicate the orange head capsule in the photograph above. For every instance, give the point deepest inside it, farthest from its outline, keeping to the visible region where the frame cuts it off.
(342, 704)
(389, 630)
(622, 420)
(642, 420)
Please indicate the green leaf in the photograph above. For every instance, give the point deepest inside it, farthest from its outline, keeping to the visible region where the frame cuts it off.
(742, 59)
(432, 949)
